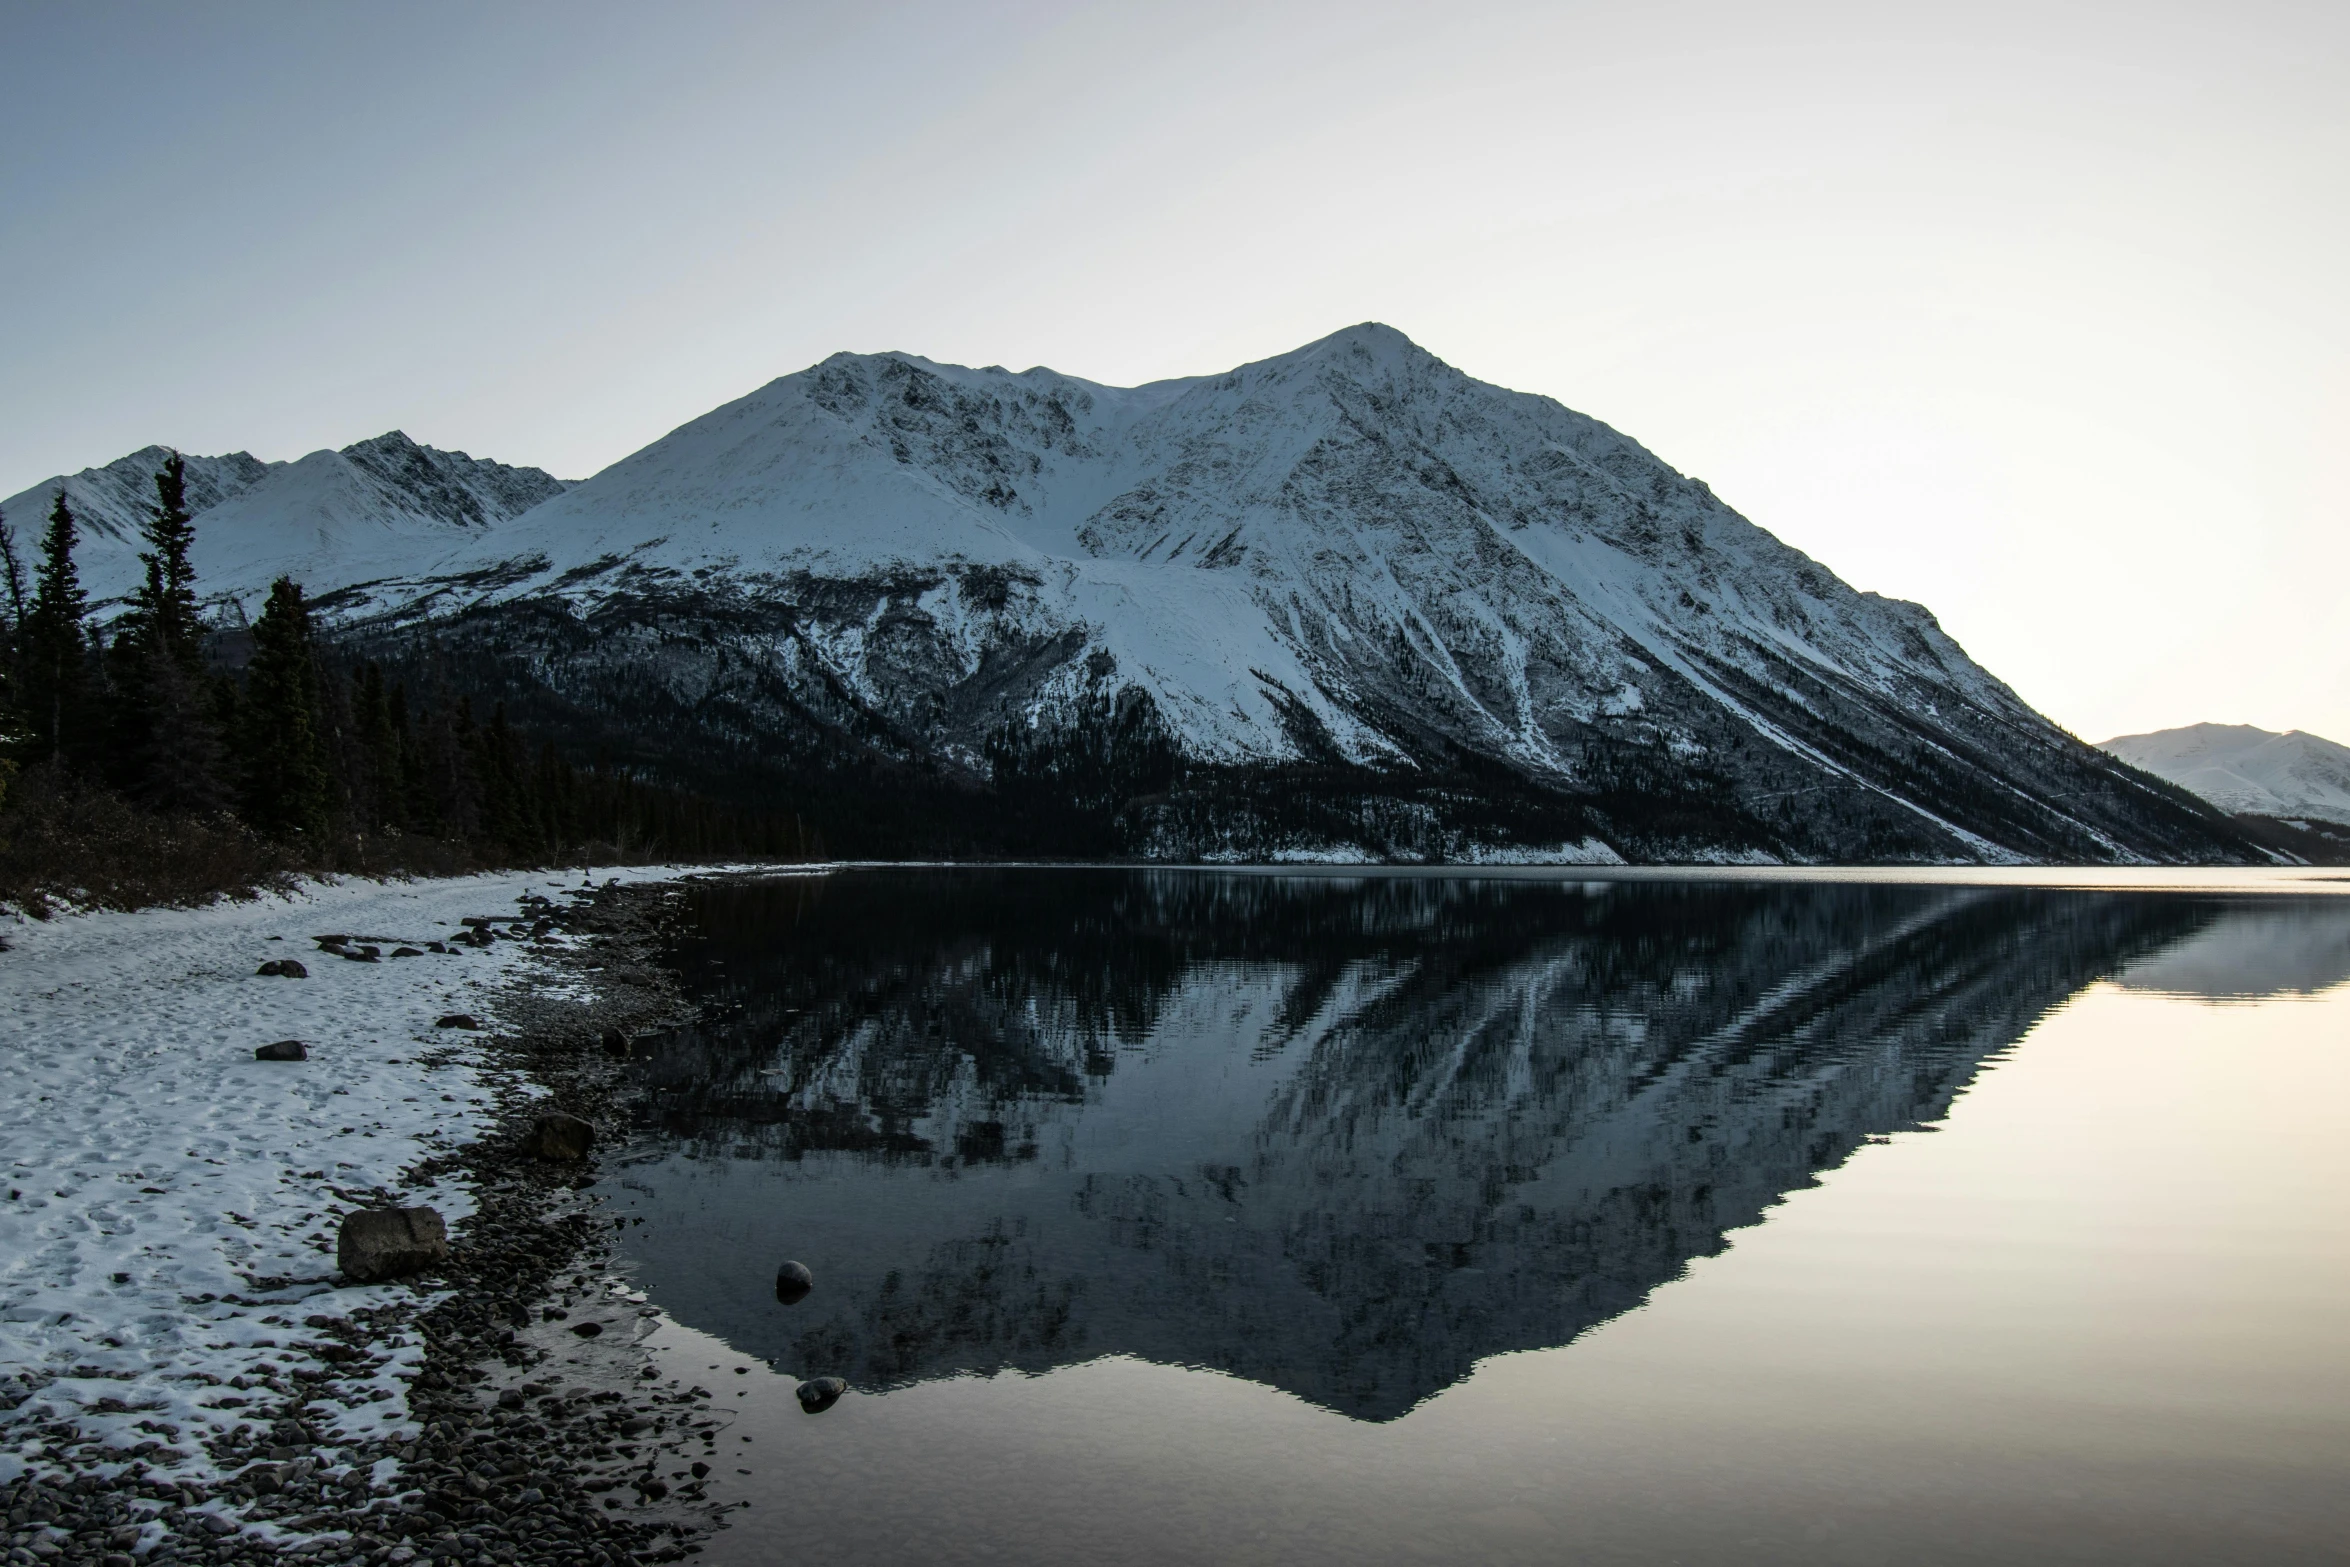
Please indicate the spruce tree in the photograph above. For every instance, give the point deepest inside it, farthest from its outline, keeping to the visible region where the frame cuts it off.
(419, 810)
(11, 635)
(463, 788)
(382, 802)
(166, 605)
(285, 783)
(166, 749)
(506, 816)
(12, 580)
(57, 647)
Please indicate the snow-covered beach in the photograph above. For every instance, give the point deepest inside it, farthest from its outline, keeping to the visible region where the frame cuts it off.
(171, 1202)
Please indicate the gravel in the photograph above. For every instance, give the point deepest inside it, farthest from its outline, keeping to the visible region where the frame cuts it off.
(504, 1459)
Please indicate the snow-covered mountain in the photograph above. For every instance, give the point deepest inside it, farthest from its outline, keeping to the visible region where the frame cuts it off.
(1343, 603)
(1346, 601)
(2291, 776)
(382, 507)
(112, 504)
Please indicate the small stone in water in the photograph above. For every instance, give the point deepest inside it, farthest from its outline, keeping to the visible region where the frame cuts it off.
(792, 1283)
(560, 1137)
(818, 1394)
(587, 1329)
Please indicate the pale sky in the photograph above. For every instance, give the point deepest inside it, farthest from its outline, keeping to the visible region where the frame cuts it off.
(2038, 314)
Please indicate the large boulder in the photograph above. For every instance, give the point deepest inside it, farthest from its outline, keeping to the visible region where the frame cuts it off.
(385, 1243)
(561, 1137)
(283, 1050)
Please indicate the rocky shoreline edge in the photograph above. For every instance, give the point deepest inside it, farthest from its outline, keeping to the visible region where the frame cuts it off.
(542, 1432)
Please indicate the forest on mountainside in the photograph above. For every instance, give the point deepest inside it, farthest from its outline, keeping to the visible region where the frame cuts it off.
(156, 757)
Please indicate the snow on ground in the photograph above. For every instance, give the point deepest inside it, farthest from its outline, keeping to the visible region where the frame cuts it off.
(1588, 852)
(162, 1186)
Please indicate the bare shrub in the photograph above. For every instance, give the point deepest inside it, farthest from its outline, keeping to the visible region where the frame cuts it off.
(65, 840)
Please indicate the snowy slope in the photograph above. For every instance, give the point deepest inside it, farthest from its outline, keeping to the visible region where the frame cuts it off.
(1315, 525)
(2240, 768)
(169, 1197)
(382, 507)
(1350, 555)
(113, 503)
(1487, 626)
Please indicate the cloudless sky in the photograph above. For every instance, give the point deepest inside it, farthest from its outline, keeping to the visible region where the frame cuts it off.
(2038, 314)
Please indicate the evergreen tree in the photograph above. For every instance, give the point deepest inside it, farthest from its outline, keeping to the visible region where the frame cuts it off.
(12, 615)
(166, 749)
(419, 810)
(166, 604)
(12, 582)
(458, 776)
(506, 805)
(164, 745)
(56, 647)
(381, 801)
(285, 784)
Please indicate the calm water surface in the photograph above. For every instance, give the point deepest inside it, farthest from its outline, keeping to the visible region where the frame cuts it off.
(1165, 1216)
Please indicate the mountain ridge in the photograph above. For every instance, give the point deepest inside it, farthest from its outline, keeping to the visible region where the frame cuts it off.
(1344, 602)
(382, 504)
(2245, 769)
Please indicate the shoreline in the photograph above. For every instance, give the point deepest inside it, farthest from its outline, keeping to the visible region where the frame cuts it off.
(496, 1409)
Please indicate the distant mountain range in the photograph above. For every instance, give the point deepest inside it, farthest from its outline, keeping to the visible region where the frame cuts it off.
(1343, 604)
(2293, 777)
(376, 508)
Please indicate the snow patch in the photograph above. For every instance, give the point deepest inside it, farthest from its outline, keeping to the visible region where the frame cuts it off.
(170, 1203)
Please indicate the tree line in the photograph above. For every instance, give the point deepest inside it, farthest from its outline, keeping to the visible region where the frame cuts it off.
(265, 724)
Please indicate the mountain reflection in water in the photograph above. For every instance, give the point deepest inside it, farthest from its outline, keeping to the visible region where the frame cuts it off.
(1345, 1136)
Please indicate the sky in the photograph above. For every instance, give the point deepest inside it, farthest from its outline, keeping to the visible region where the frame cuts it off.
(2036, 314)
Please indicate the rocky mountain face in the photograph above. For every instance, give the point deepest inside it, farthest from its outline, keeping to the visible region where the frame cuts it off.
(387, 506)
(113, 503)
(1343, 604)
(1346, 603)
(1342, 1137)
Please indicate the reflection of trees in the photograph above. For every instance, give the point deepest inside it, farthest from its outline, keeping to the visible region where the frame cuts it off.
(1498, 1112)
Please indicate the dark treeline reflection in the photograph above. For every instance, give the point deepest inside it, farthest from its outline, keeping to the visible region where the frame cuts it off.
(1344, 1136)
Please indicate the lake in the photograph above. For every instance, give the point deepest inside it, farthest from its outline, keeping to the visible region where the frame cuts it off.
(1167, 1216)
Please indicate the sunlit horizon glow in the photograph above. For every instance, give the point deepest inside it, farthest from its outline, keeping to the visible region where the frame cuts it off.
(2031, 314)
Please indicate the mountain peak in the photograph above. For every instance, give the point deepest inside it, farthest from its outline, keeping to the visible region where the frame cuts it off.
(2239, 767)
(388, 442)
(1373, 337)
(1348, 555)
(1366, 343)
(1492, 625)
(113, 502)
